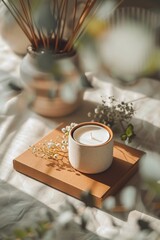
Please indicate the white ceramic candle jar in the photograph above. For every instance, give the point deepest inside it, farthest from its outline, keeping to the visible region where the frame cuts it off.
(91, 147)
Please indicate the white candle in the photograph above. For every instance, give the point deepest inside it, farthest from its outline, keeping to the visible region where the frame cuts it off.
(91, 135)
(90, 147)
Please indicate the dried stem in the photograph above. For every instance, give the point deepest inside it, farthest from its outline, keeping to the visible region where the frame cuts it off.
(74, 14)
(63, 24)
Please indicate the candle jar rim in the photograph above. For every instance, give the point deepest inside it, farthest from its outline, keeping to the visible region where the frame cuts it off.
(96, 124)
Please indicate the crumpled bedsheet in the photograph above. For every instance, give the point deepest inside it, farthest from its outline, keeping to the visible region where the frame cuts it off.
(20, 128)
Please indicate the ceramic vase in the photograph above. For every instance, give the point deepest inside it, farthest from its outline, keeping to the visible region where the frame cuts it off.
(47, 82)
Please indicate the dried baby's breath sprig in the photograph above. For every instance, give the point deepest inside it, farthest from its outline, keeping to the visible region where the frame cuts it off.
(113, 113)
(50, 150)
(66, 130)
(54, 149)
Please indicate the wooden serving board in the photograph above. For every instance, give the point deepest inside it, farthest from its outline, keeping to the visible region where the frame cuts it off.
(63, 177)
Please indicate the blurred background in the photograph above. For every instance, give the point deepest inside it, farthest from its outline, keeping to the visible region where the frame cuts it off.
(152, 4)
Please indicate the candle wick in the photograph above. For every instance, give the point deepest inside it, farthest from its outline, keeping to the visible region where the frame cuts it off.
(94, 138)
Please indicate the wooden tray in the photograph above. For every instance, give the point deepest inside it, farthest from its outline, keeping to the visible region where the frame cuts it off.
(66, 179)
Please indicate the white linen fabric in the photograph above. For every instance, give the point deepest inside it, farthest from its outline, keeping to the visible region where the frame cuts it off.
(20, 127)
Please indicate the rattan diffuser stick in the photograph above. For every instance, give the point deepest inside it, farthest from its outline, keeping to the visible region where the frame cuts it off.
(52, 24)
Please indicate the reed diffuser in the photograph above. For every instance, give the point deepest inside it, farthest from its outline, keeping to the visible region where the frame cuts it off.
(53, 25)
(51, 69)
